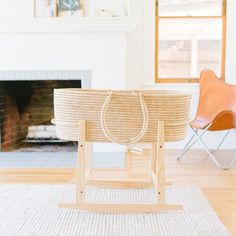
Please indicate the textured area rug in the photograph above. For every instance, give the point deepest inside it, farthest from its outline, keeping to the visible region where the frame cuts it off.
(33, 210)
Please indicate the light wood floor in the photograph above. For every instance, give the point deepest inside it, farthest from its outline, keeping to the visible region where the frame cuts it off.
(194, 169)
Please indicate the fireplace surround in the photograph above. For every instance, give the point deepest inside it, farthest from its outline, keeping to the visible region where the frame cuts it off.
(26, 99)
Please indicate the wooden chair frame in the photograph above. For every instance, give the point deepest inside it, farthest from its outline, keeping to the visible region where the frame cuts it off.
(155, 175)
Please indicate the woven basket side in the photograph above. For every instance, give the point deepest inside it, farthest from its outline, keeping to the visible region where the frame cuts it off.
(124, 116)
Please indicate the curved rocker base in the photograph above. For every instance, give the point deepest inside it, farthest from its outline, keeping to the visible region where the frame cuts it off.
(122, 208)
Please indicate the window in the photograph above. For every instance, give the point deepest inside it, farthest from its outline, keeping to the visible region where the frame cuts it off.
(190, 37)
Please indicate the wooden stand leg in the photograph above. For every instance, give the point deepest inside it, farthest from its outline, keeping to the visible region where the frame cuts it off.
(128, 164)
(157, 169)
(88, 156)
(160, 164)
(153, 158)
(80, 169)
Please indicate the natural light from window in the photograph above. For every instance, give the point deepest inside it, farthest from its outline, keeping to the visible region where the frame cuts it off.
(189, 38)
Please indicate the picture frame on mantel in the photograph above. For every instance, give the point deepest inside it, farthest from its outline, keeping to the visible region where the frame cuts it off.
(45, 8)
(58, 8)
(70, 8)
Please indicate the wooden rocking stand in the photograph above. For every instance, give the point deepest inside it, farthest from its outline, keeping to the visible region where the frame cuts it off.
(126, 118)
(87, 176)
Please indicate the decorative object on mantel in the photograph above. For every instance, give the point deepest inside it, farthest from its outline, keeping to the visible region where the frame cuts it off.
(103, 13)
(117, 21)
(45, 8)
(73, 8)
(59, 8)
(119, 8)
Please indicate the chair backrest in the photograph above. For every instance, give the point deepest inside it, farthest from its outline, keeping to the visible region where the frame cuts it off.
(217, 102)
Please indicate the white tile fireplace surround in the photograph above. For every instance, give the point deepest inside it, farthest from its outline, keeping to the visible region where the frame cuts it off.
(85, 76)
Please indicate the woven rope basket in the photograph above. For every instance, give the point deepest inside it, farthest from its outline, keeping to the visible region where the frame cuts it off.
(123, 117)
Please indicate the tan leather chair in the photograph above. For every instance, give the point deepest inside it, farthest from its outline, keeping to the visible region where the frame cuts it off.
(216, 111)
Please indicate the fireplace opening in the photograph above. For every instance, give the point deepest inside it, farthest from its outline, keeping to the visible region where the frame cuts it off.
(26, 111)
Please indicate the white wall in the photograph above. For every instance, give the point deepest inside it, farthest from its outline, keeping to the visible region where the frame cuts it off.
(16, 8)
(101, 53)
(231, 45)
(135, 50)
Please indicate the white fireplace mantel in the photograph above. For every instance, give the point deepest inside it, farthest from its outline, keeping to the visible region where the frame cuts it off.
(41, 75)
(68, 25)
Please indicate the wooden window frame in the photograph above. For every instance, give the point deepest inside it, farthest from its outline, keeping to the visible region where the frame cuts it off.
(223, 17)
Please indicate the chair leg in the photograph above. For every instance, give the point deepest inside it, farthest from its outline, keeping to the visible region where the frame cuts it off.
(212, 156)
(189, 143)
(232, 161)
(186, 148)
(222, 141)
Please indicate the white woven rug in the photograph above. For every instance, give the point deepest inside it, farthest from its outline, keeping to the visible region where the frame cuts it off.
(32, 210)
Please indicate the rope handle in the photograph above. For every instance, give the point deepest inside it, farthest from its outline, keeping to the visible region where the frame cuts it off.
(139, 136)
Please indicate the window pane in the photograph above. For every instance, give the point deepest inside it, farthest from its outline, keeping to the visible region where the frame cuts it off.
(174, 59)
(190, 7)
(209, 55)
(186, 46)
